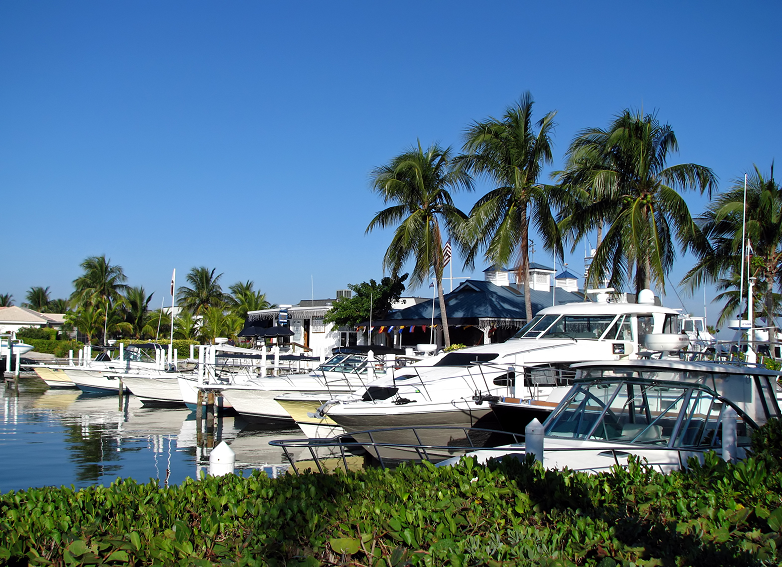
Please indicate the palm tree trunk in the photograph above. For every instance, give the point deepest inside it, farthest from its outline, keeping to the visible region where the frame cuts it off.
(443, 314)
(524, 268)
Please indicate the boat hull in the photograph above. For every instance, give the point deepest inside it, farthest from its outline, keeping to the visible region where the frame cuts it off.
(54, 377)
(154, 389)
(302, 411)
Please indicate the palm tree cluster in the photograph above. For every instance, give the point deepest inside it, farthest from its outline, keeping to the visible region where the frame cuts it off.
(615, 181)
(103, 306)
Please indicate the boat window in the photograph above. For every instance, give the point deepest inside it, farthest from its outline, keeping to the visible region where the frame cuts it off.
(465, 358)
(579, 327)
(577, 416)
(344, 363)
(671, 324)
(701, 422)
(534, 328)
(621, 330)
(645, 327)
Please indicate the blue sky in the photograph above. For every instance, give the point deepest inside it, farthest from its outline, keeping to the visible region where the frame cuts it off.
(240, 135)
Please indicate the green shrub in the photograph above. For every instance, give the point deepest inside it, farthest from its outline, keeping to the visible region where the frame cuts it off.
(57, 348)
(46, 333)
(508, 513)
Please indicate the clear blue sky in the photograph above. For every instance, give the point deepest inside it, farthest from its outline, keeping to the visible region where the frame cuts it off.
(240, 135)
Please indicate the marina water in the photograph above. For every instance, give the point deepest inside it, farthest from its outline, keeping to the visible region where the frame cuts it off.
(51, 437)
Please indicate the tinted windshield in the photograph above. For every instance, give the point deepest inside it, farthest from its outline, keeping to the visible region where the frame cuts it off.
(567, 327)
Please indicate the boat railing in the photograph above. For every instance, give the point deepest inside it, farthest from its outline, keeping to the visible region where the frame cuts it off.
(341, 446)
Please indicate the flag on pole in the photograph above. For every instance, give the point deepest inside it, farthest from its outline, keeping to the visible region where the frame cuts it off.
(447, 253)
(173, 279)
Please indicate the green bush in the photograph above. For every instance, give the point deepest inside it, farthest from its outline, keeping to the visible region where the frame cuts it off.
(508, 513)
(57, 348)
(46, 333)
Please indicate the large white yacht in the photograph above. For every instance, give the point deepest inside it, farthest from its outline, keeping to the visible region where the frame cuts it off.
(451, 388)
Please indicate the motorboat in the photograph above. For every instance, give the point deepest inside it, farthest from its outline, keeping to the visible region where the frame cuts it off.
(16, 345)
(662, 410)
(347, 371)
(102, 375)
(454, 388)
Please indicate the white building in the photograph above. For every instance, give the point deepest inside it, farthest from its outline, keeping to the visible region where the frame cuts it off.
(14, 318)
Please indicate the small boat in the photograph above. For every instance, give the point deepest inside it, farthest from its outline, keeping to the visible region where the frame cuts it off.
(662, 410)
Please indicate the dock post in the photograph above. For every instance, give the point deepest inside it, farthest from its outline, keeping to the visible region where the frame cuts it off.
(729, 435)
(199, 417)
(533, 439)
(276, 350)
(70, 357)
(210, 418)
(119, 391)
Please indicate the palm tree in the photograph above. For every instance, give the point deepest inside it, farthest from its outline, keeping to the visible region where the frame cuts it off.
(721, 226)
(100, 281)
(244, 299)
(88, 320)
(215, 324)
(512, 154)
(137, 311)
(623, 180)
(205, 291)
(58, 305)
(185, 326)
(38, 299)
(114, 319)
(6, 300)
(417, 184)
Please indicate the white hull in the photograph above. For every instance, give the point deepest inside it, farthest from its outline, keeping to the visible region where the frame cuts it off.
(256, 403)
(161, 389)
(188, 388)
(93, 381)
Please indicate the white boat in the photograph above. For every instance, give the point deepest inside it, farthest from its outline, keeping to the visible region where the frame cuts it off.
(349, 370)
(17, 346)
(154, 387)
(451, 388)
(665, 411)
(102, 375)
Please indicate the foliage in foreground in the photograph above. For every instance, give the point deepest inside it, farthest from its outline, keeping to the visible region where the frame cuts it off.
(506, 514)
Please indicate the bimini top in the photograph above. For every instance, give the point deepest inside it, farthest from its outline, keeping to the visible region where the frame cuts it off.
(663, 364)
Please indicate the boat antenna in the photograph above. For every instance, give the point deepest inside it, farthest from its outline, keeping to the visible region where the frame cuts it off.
(173, 302)
(741, 274)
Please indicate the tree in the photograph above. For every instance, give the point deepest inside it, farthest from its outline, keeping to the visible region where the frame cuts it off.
(370, 300)
(6, 300)
(623, 180)
(100, 281)
(417, 183)
(205, 291)
(719, 250)
(244, 299)
(58, 305)
(137, 312)
(512, 154)
(185, 326)
(37, 299)
(215, 324)
(114, 322)
(88, 320)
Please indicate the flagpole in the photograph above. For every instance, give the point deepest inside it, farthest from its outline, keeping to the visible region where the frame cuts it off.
(173, 301)
(741, 275)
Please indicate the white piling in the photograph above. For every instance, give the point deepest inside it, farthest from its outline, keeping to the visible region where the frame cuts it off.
(276, 351)
(201, 362)
(70, 357)
(192, 354)
(122, 351)
(370, 366)
(533, 439)
(729, 436)
(263, 360)
(18, 364)
(222, 460)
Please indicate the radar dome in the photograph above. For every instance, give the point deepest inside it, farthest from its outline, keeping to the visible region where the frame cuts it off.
(646, 297)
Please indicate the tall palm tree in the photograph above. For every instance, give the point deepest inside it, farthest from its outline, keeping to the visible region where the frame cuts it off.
(622, 174)
(721, 225)
(137, 311)
(512, 154)
(417, 183)
(100, 281)
(185, 326)
(88, 320)
(6, 300)
(244, 298)
(38, 299)
(205, 290)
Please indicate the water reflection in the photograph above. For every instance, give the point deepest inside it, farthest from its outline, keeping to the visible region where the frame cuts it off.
(55, 437)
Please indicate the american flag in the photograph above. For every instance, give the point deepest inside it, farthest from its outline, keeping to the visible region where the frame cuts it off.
(447, 253)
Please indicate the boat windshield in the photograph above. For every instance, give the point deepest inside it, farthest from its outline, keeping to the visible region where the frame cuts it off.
(344, 362)
(568, 327)
(652, 411)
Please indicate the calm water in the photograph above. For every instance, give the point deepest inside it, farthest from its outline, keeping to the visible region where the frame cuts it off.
(61, 437)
